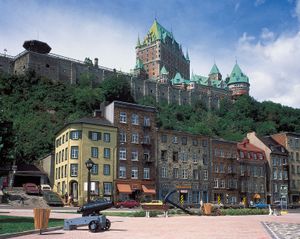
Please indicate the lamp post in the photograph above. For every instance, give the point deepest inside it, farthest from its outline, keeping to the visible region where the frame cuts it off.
(89, 164)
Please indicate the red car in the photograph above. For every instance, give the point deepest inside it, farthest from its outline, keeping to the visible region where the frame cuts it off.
(127, 203)
(31, 188)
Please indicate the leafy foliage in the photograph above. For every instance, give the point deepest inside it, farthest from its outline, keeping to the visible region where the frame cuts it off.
(39, 107)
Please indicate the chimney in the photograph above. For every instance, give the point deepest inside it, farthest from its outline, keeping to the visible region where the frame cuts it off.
(97, 114)
(96, 62)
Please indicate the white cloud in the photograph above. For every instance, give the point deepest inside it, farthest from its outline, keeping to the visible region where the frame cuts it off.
(267, 35)
(259, 2)
(236, 6)
(272, 68)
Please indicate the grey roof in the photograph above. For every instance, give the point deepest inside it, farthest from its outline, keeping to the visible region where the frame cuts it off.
(93, 120)
(273, 145)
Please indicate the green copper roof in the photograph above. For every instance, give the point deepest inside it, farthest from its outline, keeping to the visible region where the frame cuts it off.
(138, 41)
(164, 71)
(157, 32)
(179, 80)
(202, 80)
(237, 76)
(139, 64)
(214, 70)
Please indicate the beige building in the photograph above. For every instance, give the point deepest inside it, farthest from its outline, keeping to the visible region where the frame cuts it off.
(277, 167)
(292, 143)
(93, 138)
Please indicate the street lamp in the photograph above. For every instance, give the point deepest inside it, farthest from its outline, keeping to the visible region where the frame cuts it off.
(89, 164)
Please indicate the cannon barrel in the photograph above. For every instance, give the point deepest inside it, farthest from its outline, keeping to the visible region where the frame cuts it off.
(94, 208)
(167, 200)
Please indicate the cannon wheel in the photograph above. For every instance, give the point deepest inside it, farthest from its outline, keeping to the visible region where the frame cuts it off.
(94, 226)
(107, 225)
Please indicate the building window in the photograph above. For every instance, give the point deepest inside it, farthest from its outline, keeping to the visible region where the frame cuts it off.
(67, 136)
(195, 174)
(66, 153)
(74, 152)
(122, 136)
(122, 154)
(184, 140)
(163, 154)
(274, 173)
(134, 119)
(216, 167)
(58, 173)
(134, 173)
(134, 155)
(122, 172)
(146, 173)
(135, 138)
(146, 121)
(95, 136)
(164, 172)
(107, 188)
(204, 143)
(222, 168)
(59, 156)
(75, 135)
(175, 156)
(175, 140)
(175, 173)
(164, 138)
(106, 153)
(66, 174)
(184, 156)
(94, 169)
(195, 142)
(205, 161)
(106, 169)
(205, 175)
(94, 152)
(74, 170)
(123, 117)
(216, 183)
(222, 183)
(106, 137)
(146, 156)
(63, 139)
(241, 154)
(184, 174)
(195, 158)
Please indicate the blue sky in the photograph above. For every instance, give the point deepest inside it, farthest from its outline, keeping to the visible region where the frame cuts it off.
(263, 35)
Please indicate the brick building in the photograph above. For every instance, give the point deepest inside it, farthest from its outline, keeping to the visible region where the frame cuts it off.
(277, 167)
(252, 172)
(291, 141)
(182, 165)
(136, 173)
(224, 172)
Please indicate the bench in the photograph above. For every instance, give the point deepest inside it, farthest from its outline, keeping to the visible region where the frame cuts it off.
(148, 208)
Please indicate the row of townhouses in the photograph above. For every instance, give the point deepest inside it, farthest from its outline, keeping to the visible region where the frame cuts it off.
(133, 159)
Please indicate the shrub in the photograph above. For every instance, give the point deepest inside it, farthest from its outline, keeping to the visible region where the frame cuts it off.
(244, 211)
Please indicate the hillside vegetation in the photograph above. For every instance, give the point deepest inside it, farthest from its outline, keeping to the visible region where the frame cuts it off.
(38, 108)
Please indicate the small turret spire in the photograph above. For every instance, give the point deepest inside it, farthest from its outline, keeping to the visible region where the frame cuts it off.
(187, 56)
(138, 41)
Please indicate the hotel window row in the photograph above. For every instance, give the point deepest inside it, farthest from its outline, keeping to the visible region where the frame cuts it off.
(134, 172)
(94, 152)
(135, 139)
(134, 154)
(61, 156)
(183, 140)
(134, 119)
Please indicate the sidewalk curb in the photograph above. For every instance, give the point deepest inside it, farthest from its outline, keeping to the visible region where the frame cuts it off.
(30, 232)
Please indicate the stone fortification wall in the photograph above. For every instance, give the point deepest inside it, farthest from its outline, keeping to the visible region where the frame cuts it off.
(209, 96)
(6, 63)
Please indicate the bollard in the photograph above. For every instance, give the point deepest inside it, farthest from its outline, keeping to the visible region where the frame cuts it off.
(41, 218)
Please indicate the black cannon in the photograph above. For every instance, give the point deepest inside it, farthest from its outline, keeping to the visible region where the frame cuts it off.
(94, 208)
(168, 200)
(91, 216)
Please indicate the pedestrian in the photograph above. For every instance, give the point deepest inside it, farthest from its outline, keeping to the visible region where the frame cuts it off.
(70, 200)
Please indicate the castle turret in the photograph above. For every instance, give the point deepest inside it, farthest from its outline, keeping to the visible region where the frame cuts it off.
(238, 82)
(139, 70)
(164, 75)
(214, 73)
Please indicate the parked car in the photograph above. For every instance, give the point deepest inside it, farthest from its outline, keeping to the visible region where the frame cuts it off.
(127, 203)
(31, 188)
(53, 199)
(45, 187)
(294, 205)
(261, 205)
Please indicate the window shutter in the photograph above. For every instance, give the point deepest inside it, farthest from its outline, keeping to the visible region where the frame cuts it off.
(79, 134)
(90, 134)
(98, 136)
(71, 135)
